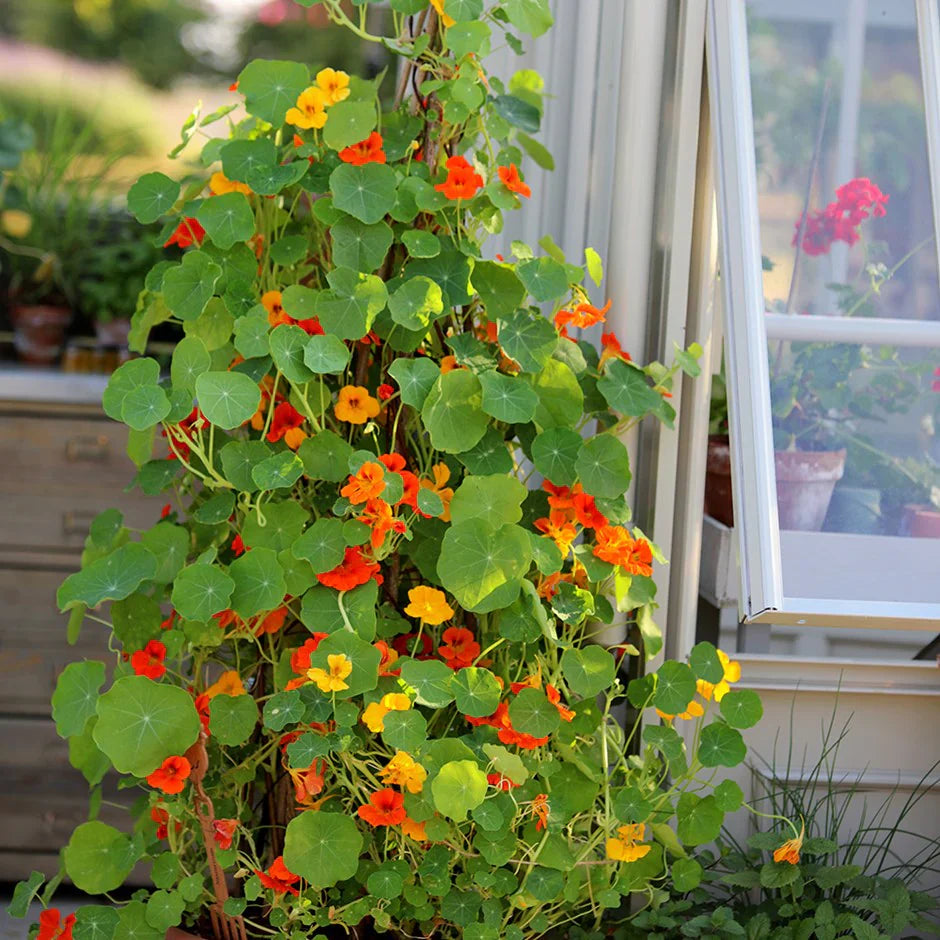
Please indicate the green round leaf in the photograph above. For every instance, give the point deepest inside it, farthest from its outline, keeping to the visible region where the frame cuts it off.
(349, 308)
(251, 335)
(554, 453)
(76, 696)
(477, 692)
(190, 360)
(385, 883)
(431, 679)
(322, 847)
(675, 688)
(151, 196)
(142, 722)
(271, 87)
(544, 278)
(325, 456)
(227, 399)
(686, 874)
(721, 746)
(200, 591)
(323, 545)
(604, 467)
(627, 390)
(366, 192)
(243, 158)
(232, 718)
(288, 344)
(507, 398)
(459, 787)
(421, 244)
(778, 874)
(98, 857)
(588, 671)
(259, 582)
(483, 567)
(108, 579)
(405, 731)
(349, 122)
(528, 338)
(357, 245)
(165, 909)
(326, 354)
(532, 713)
(278, 472)
(361, 653)
(699, 819)
(728, 796)
(705, 663)
(132, 924)
(416, 303)
(227, 219)
(561, 401)
(283, 709)
(495, 500)
(452, 413)
(126, 378)
(216, 508)
(741, 708)
(415, 378)
(145, 407)
(95, 922)
(188, 286)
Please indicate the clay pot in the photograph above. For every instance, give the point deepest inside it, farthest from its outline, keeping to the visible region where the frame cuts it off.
(113, 332)
(805, 481)
(39, 331)
(718, 503)
(922, 522)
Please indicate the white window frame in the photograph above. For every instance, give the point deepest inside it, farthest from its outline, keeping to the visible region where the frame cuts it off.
(747, 329)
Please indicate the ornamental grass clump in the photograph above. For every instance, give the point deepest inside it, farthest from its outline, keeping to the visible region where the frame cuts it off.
(353, 679)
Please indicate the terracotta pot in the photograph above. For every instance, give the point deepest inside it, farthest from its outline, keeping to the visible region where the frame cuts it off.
(113, 332)
(923, 522)
(718, 503)
(805, 481)
(39, 331)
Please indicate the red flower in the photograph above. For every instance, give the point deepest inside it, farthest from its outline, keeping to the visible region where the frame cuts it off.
(224, 831)
(202, 709)
(171, 775)
(52, 927)
(935, 384)
(272, 622)
(511, 180)
(401, 646)
(385, 391)
(161, 817)
(366, 151)
(149, 661)
(395, 463)
(279, 878)
(554, 696)
(187, 429)
(188, 232)
(389, 658)
(462, 180)
(287, 424)
(839, 221)
(385, 808)
(460, 648)
(540, 811)
(508, 735)
(238, 546)
(300, 658)
(167, 509)
(500, 782)
(351, 572)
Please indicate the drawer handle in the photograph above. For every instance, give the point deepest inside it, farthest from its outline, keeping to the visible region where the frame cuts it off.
(77, 521)
(85, 447)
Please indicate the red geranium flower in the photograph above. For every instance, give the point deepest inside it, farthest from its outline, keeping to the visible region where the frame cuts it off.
(385, 808)
(149, 661)
(171, 775)
(279, 878)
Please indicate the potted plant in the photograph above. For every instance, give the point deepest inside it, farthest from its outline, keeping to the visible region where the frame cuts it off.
(55, 191)
(353, 680)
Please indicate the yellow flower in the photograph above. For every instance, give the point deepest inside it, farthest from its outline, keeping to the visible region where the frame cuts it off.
(445, 19)
(396, 702)
(732, 673)
(332, 681)
(310, 110)
(428, 604)
(441, 473)
(229, 683)
(355, 405)
(374, 717)
(334, 84)
(414, 830)
(404, 771)
(790, 850)
(15, 222)
(625, 848)
(220, 184)
(693, 711)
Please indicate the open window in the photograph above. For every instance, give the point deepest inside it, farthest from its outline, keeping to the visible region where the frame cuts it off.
(826, 120)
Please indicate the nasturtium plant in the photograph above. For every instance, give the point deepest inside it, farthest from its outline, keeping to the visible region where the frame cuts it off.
(353, 671)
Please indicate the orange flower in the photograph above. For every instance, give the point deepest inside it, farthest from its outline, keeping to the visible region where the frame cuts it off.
(584, 315)
(272, 622)
(612, 350)
(540, 811)
(441, 474)
(162, 818)
(447, 20)
(625, 848)
(377, 515)
(224, 832)
(448, 364)
(149, 661)
(500, 782)
(554, 696)
(351, 572)
(790, 850)
(279, 878)
(219, 184)
(373, 717)
(300, 658)
(171, 775)
(385, 808)
(188, 232)
(309, 783)
(557, 528)
(287, 424)
(615, 545)
(229, 683)
(310, 110)
(405, 772)
(52, 927)
(414, 830)
(462, 180)
(271, 301)
(694, 710)
(395, 463)
(366, 151)
(460, 649)
(428, 604)
(355, 405)
(510, 177)
(508, 735)
(366, 483)
(334, 84)
(389, 658)
(333, 681)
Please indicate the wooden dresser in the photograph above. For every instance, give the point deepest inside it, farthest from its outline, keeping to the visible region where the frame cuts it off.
(62, 461)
